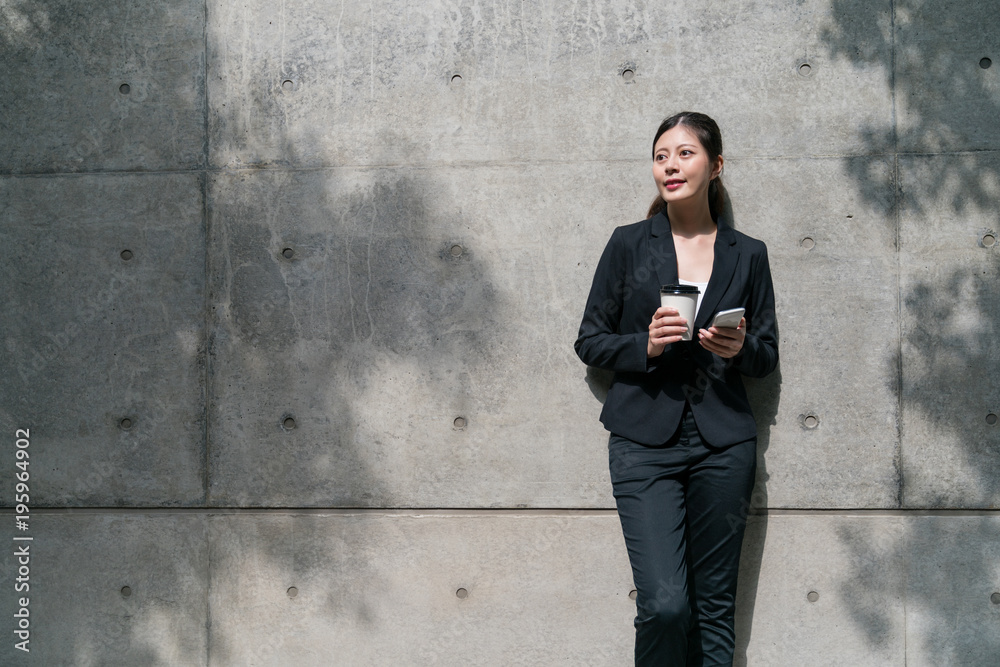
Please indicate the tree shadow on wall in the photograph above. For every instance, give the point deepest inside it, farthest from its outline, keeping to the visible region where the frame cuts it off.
(950, 571)
(344, 293)
(950, 364)
(765, 398)
(943, 569)
(370, 301)
(320, 282)
(946, 101)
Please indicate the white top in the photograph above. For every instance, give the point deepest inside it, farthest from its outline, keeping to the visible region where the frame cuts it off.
(701, 293)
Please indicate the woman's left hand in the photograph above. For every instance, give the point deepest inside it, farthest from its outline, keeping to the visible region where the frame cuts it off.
(723, 341)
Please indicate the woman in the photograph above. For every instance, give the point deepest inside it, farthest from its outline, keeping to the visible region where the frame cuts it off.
(682, 450)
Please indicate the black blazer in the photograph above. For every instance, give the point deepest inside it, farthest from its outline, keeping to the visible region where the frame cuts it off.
(646, 399)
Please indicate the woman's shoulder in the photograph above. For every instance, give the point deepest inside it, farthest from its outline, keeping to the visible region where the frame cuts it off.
(629, 235)
(634, 230)
(749, 243)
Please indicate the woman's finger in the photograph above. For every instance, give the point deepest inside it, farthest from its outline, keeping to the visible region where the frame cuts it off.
(719, 343)
(724, 332)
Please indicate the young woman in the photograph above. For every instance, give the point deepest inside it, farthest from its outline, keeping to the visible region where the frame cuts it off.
(682, 451)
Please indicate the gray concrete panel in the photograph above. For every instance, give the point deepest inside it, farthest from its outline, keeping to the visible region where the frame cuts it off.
(92, 338)
(953, 590)
(340, 294)
(109, 589)
(315, 83)
(472, 162)
(832, 257)
(98, 86)
(485, 588)
(949, 97)
(376, 588)
(413, 298)
(942, 59)
(822, 590)
(940, 572)
(441, 589)
(950, 322)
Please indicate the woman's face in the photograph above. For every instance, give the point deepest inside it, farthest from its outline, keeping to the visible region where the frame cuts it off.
(681, 166)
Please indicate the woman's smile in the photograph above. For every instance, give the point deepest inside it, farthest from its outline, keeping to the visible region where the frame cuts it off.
(682, 168)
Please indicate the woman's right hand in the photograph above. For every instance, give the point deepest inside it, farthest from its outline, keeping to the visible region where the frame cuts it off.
(666, 327)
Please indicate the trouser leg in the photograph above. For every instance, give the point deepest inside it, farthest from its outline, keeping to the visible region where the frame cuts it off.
(717, 503)
(649, 493)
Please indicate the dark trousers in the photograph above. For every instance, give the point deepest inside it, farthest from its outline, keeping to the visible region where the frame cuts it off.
(683, 508)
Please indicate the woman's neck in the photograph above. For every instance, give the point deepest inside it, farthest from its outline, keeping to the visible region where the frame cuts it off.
(690, 220)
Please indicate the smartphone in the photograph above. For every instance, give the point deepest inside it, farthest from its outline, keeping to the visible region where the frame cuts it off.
(728, 319)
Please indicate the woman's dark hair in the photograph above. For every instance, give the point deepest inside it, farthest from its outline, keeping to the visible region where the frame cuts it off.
(710, 137)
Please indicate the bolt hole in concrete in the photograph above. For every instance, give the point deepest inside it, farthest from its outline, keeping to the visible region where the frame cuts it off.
(461, 593)
(126, 255)
(985, 63)
(456, 250)
(456, 79)
(125, 423)
(288, 85)
(126, 591)
(632, 594)
(628, 74)
(805, 69)
(292, 592)
(460, 422)
(991, 419)
(812, 596)
(288, 253)
(989, 240)
(288, 423)
(124, 89)
(810, 421)
(995, 598)
(808, 243)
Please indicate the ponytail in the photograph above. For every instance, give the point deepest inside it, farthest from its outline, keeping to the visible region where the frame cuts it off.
(716, 198)
(655, 207)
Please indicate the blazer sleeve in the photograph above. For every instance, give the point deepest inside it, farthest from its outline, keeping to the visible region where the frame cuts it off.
(601, 341)
(759, 355)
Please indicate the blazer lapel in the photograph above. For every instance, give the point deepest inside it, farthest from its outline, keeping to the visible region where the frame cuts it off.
(727, 255)
(662, 254)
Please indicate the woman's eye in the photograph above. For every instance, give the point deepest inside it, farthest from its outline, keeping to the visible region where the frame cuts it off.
(685, 152)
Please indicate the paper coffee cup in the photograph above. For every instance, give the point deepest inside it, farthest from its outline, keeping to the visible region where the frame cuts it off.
(685, 299)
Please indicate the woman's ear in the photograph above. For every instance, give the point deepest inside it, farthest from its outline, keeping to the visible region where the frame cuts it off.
(718, 168)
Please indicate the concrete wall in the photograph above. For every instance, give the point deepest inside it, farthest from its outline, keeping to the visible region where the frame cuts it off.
(290, 290)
